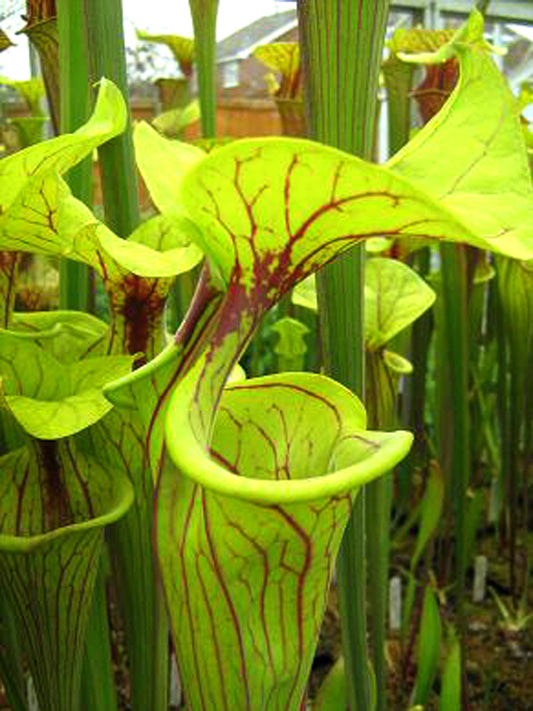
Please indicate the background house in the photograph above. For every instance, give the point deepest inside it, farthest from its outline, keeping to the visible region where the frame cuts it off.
(244, 106)
(239, 73)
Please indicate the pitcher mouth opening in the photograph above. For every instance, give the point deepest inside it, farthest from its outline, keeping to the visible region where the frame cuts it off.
(121, 500)
(217, 479)
(191, 456)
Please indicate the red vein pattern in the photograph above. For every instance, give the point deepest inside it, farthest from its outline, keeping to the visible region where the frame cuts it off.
(49, 593)
(247, 582)
(137, 306)
(9, 262)
(118, 442)
(263, 630)
(46, 487)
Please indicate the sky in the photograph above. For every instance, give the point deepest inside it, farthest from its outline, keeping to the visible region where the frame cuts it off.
(173, 16)
(156, 16)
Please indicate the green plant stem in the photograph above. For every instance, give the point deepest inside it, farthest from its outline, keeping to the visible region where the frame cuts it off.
(105, 42)
(398, 77)
(104, 36)
(347, 366)
(413, 414)
(420, 341)
(502, 393)
(528, 457)
(180, 298)
(378, 507)
(485, 419)
(161, 660)
(342, 45)
(74, 111)
(455, 440)
(515, 292)
(11, 662)
(98, 687)
(74, 294)
(141, 603)
(204, 18)
(517, 388)
(381, 393)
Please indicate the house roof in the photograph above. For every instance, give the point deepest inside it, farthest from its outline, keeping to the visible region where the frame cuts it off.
(266, 29)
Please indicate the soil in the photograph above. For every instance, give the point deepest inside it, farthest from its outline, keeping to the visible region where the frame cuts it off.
(499, 659)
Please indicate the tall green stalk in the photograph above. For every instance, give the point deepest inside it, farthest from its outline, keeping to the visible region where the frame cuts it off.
(342, 44)
(11, 661)
(515, 287)
(398, 78)
(74, 285)
(98, 682)
(495, 309)
(105, 43)
(142, 606)
(414, 411)
(204, 18)
(455, 417)
(381, 392)
(420, 343)
(75, 107)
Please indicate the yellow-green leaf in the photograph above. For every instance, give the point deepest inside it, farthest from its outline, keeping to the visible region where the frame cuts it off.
(471, 156)
(61, 153)
(5, 42)
(283, 57)
(181, 47)
(49, 399)
(395, 296)
(163, 164)
(31, 90)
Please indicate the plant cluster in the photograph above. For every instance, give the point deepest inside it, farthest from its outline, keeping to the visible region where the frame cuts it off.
(217, 503)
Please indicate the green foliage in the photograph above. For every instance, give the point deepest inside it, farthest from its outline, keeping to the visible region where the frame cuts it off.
(58, 154)
(51, 400)
(332, 693)
(51, 544)
(513, 620)
(67, 335)
(253, 481)
(173, 122)
(163, 164)
(29, 128)
(428, 653)
(462, 156)
(56, 500)
(264, 426)
(430, 513)
(291, 347)
(395, 296)
(181, 47)
(450, 695)
(31, 90)
(283, 58)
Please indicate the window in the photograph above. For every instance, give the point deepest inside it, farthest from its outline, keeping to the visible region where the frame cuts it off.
(230, 74)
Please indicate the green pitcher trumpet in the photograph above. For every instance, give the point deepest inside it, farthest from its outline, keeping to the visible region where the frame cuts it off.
(55, 502)
(48, 572)
(248, 531)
